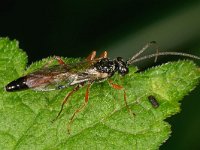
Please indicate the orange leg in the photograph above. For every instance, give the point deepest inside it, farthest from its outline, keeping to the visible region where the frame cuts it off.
(65, 100)
(80, 108)
(119, 87)
(91, 56)
(104, 55)
(59, 59)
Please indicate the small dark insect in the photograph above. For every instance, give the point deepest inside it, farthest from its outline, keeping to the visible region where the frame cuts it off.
(83, 73)
(153, 101)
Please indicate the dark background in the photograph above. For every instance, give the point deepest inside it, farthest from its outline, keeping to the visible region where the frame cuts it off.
(75, 28)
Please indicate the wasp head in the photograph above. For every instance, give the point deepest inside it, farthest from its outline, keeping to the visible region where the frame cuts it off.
(121, 66)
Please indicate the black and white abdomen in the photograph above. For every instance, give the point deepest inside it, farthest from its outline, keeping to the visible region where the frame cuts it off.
(17, 85)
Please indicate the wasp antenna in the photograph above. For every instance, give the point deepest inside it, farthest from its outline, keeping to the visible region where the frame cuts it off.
(131, 61)
(152, 43)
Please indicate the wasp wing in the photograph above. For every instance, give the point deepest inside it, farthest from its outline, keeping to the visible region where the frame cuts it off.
(60, 76)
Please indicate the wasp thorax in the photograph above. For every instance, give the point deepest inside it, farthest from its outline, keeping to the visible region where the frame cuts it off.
(105, 65)
(121, 66)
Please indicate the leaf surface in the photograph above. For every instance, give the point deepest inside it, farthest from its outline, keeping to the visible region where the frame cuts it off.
(25, 116)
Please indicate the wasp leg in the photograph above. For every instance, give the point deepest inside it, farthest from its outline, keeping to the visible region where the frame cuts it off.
(58, 58)
(91, 56)
(65, 100)
(104, 55)
(80, 108)
(119, 87)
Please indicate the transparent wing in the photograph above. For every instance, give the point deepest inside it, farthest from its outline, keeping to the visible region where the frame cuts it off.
(59, 76)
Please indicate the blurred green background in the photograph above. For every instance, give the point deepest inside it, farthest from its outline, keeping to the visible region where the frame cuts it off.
(75, 28)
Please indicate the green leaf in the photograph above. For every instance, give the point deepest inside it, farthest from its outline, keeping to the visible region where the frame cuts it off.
(25, 116)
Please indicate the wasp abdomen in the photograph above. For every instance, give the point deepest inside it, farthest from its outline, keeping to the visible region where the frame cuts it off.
(16, 85)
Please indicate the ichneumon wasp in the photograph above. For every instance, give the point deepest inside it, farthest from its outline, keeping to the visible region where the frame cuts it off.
(86, 72)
